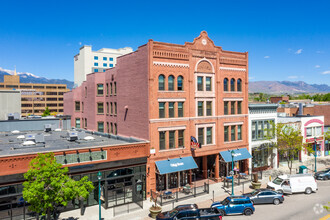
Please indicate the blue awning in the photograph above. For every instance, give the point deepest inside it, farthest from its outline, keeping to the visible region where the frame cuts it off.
(176, 165)
(239, 154)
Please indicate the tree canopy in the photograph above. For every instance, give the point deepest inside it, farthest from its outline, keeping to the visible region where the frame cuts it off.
(46, 112)
(48, 185)
(289, 141)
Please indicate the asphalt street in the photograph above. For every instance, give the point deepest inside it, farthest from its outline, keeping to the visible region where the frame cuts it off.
(296, 206)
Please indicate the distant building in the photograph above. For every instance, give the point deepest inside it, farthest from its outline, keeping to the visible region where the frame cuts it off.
(307, 109)
(10, 103)
(312, 129)
(35, 97)
(279, 99)
(262, 117)
(88, 61)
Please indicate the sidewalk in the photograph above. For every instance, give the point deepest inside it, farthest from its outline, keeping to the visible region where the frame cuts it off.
(202, 201)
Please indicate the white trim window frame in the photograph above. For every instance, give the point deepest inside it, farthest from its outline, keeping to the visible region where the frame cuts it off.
(205, 100)
(205, 126)
(205, 93)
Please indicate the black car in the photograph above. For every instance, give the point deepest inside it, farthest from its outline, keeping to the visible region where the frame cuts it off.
(262, 196)
(186, 212)
(188, 206)
(323, 175)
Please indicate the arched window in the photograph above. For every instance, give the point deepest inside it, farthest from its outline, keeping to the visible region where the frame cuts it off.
(239, 85)
(171, 83)
(232, 84)
(180, 83)
(161, 82)
(225, 84)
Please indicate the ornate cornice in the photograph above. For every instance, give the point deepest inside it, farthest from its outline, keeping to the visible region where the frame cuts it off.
(158, 63)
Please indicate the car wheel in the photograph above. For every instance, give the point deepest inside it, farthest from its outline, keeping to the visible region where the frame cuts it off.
(222, 212)
(308, 190)
(247, 212)
(276, 201)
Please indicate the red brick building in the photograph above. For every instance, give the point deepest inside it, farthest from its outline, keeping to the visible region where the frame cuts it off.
(167, 93)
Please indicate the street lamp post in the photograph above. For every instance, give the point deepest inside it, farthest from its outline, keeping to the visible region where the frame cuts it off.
(315, 153)
(232, 170)
(99, 176)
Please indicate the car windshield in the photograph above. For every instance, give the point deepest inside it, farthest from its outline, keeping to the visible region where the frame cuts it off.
(278, 181)
(225, 202)
(173, 212)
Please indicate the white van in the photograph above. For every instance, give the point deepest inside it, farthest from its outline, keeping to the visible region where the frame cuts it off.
(294, 184)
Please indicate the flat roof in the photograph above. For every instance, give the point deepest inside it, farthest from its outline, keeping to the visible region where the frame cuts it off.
(54, 141)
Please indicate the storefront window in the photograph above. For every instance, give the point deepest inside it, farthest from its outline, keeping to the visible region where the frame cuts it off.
(184, 178)
(160, 182)
(173, 180)
(260, 157)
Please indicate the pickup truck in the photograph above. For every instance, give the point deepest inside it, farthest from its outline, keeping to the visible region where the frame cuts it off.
(188, 213)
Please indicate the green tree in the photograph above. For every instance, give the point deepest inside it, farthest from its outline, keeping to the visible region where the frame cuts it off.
(48, 185)
(46, 112)
(288, 141)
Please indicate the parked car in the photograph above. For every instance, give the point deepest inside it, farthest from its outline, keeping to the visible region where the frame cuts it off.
(262, 196)
(188, 206)
(293, 184)
(188, 212)
(235, 205)
(323, 175)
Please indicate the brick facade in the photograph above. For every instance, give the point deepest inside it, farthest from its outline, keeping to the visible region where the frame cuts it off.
(139, 97)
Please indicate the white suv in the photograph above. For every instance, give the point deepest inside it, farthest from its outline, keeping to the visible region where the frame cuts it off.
(294, 184)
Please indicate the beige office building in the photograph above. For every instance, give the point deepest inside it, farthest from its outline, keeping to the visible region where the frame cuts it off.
(36, 97)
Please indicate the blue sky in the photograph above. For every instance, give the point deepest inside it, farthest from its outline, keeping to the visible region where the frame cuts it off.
(286, 40)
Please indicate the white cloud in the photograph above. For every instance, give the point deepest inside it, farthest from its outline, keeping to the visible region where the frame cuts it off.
(266, 57)
(317, 66)
(299, 51)
(319, 51)
(79, 43)
(326, 72)
(292, 77)
(251, 77)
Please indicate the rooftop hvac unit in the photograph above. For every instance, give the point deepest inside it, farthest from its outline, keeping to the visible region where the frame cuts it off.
(37, 138)
(17, 115)
(47, 127)
(72, 135)
(30, 137)
(40, 138)
(81, 135)
(10, 117)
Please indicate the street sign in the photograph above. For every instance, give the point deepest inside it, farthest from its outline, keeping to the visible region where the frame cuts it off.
(231, 173)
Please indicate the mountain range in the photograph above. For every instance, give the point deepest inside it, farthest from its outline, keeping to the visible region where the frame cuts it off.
(290, 87)
(269, 87)
(26, 77)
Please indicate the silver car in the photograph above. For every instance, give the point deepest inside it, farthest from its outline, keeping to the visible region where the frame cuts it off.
(263, 196)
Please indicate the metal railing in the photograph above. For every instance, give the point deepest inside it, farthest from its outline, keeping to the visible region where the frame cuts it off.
(166, 197)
